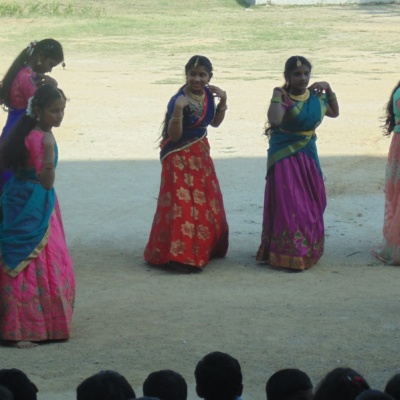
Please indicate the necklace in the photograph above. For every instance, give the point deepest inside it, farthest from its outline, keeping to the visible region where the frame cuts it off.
(196, 108)
(199, 98)
(300, 97)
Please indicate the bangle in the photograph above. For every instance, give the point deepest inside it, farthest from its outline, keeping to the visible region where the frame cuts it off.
(220, 109)
(332, 97)
(48, 165)
(276, 99)
(176, 119)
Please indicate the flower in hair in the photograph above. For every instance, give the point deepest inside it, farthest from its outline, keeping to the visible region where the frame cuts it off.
(29, 109)
(31, 48)
(356, 380)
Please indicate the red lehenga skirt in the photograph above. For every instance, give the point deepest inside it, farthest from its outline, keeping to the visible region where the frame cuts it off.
(189, 225)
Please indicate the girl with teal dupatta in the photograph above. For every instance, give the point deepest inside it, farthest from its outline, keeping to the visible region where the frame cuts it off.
(37, 284)
(295, 199)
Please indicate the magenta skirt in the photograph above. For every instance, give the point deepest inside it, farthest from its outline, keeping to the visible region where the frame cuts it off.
(294, 204)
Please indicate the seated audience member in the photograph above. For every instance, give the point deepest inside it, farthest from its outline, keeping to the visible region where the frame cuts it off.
(393, 387)
(289, 384)
(165, 385)
(373, 395)
(147, 398)
(18, 384)
(105, 385)
(341, 383)
(218, 377)
(5, 394)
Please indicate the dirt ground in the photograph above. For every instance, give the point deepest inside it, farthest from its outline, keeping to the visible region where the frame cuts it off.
(136, 319)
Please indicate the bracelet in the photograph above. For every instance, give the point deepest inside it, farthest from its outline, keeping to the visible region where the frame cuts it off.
(220, 109)
(332, 97)
(276, 99)
(176, 119)
(48, 165)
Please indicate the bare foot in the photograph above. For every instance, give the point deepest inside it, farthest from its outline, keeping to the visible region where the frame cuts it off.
(184, 268)
(21, 344)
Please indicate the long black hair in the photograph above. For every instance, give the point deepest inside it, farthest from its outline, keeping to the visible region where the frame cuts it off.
(390, 121)
(50, 49)
(194, 62)
(13, 152)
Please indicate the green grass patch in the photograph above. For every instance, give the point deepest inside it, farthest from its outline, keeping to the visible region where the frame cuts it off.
(160, 28)
(46, 9)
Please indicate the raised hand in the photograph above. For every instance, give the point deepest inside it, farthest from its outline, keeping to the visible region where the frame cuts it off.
(319, 87)
(217, 92)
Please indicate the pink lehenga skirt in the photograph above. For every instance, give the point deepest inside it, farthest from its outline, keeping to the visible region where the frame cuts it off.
(389, 252)
(294, 204)
(37, 304)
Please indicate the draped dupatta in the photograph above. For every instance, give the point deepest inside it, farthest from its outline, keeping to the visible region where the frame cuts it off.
(194, 127)
(297, 131)
(24, 227)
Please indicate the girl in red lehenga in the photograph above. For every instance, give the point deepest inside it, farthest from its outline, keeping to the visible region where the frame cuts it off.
(390, 252)
(189, 226)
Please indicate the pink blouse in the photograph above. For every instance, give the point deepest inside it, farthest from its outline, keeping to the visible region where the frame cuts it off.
(34, 143)
(22, 88)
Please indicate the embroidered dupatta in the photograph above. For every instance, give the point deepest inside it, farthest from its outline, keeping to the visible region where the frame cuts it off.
(297, 131)
(24, 226)
(194, 127)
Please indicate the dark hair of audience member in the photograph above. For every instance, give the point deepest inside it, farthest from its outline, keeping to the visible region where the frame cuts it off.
(5, 393)
(166, 385)
(147, 398)
(373, 395)
(18, 384)
(341, 383)
(218, 377)
(289, 384)
(392, 387)
(105, 385)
